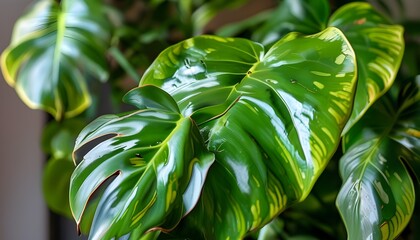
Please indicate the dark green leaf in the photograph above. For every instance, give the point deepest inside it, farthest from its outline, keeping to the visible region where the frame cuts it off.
(377, 198)
(58, 137)
(53, 47)
(58, 141)
(283, 112)
(151, 98)
(156, 164)
(55, 185)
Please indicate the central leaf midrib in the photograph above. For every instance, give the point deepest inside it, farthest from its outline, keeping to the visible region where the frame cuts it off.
(161, 146)
(376, 146)
(61, 15)
(150, 163)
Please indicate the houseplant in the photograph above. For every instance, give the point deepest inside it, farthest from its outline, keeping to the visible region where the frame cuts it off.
(236, 132)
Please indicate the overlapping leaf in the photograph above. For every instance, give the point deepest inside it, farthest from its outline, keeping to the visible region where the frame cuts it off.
(153, 160)
(377, 198)
(274, 119)
(379, 47)
(54, 45)
(378, 44)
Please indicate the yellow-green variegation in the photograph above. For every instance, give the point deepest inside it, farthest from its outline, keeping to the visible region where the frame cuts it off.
(382, 150)
(379, 48)
(272, 118)
(53, 49)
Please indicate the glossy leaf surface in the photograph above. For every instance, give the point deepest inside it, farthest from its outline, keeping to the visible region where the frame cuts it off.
(379, 48)
(377, 198)
(151, 164)
(53, 47)
(274, 120)
(379, 45)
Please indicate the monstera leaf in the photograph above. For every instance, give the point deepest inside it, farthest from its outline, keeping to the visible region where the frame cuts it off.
(379, 47)
(53, 45)
(274, 119)
(151, 164)
(377, 198)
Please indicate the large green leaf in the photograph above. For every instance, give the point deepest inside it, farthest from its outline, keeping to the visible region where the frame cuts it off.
(52, 48)
(379, 47)
(377, 198)
(153, 160)
(274, 119)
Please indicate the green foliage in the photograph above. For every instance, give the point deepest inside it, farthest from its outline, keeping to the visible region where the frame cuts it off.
(234, 72)
(379, 46)
(59, 43)
(282, 102)
(144, 28)
(229, 137)
(377, 197)
(304, 16)
(156, 159)
(58, 142)
(55, 185)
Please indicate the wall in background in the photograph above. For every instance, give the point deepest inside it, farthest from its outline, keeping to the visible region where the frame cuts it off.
(23, 214)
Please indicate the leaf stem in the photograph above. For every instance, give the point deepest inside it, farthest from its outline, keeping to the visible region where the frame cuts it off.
(119, 57)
